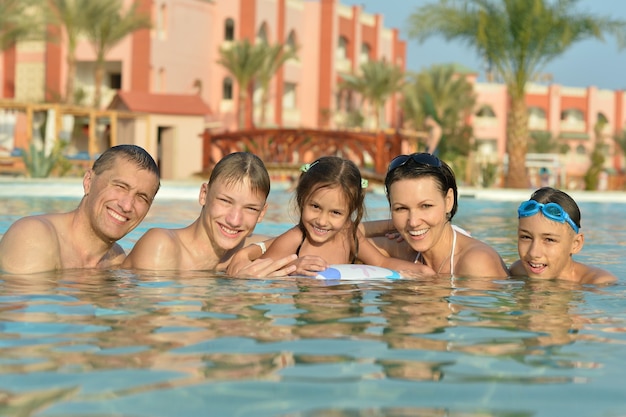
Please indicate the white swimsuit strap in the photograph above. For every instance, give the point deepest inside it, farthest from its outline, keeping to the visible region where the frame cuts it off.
(461, 230)
(454, 229)
(453, 249)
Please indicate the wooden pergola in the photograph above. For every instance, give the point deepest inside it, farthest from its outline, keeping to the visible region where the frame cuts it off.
(14, 165)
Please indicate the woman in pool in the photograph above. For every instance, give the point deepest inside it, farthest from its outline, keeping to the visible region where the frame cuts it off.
(422, 195)
(548, 235)
(330, 198)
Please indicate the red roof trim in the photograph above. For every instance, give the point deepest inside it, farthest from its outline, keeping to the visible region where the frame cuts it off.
(175, 104)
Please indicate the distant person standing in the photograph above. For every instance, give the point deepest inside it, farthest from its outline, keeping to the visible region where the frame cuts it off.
(119, 190)
(544, 177)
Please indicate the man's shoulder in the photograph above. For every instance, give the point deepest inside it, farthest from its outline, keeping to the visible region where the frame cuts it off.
(31, 244)
(39, 228)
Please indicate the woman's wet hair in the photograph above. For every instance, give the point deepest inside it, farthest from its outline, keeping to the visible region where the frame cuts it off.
(547, 195)
(238, 166)
(412, 169)
(334, 172)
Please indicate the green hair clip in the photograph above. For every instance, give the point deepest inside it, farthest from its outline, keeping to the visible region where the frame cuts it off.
(306, 167)
(364, 183)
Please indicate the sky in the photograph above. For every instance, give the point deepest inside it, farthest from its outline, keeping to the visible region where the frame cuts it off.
(587, 63)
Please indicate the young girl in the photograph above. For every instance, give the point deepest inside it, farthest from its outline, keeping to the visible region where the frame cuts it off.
(548, 235)
(330, 198)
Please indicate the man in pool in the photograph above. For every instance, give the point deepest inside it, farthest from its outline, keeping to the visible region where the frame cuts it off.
(233, 202)
(549, 235)
(119, 190)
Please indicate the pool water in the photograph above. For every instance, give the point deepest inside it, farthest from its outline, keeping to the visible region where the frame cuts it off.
(117, 343)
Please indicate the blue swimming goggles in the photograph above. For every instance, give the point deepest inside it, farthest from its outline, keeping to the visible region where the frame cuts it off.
(552, 211)
(418, 158)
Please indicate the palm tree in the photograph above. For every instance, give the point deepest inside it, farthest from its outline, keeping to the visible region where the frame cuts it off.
(17, 22)
(376, 84)
(275, 56)
(74, 16)
(620, 140)
(544, 142)
(243, 60)
(518, 38)
(108, 26)
(444, 96)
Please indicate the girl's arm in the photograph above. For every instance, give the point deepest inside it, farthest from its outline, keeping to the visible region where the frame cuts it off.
(285, 244)
(368, 254)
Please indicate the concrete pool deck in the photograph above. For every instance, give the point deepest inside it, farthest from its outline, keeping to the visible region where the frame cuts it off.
(188, 190)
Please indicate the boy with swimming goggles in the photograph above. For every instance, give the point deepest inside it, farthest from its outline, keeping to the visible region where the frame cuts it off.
(548, 235)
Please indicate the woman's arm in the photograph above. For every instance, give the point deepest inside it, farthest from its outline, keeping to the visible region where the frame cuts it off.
(370, 255)
(376, 228)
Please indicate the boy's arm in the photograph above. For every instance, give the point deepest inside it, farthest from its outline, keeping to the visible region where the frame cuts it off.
(245, 256)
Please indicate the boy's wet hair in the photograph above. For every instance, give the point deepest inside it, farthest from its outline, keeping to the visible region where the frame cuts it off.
(237, 166)
(547, 195)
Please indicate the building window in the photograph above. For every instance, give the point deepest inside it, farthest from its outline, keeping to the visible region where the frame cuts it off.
(350, 102)
(161, 22)
(292, 45)
(227, 89)
(289, 96)
(581, 150)
(365, 54)
(197, 85)
(339, 100)
(572, 115)
(342, 48)
(485, 111)
(161, 87)
(572, 120)
(261, 35)
(229, 30)
(537, 112)
(115, 81)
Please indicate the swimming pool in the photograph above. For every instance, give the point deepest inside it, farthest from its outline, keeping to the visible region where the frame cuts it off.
(89, 343)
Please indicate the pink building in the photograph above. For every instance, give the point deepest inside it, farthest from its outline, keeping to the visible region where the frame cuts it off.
(158, 72)
(576, 118)
(178, 57)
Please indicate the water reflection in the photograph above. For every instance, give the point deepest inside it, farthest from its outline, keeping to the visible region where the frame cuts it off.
(87, 338)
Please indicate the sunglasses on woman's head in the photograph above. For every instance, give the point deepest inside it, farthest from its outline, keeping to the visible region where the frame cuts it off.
(552, 211)
(419, 158)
